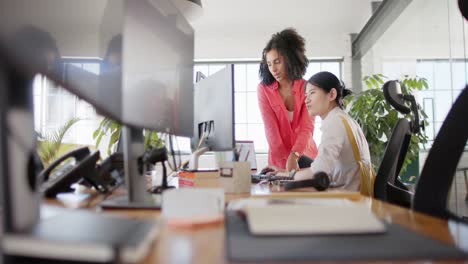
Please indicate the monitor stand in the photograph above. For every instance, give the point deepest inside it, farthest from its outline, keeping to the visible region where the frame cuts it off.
(137, 196)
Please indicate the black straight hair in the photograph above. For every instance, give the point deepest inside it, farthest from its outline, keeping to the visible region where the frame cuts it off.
(327, 81)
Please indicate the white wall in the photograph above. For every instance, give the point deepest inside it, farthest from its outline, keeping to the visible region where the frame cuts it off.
(427, 29)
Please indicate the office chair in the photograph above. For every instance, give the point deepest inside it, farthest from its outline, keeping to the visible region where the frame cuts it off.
(436, 178)
(387, 186)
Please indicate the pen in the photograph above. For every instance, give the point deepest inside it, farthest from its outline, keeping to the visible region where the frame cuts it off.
(237, 152)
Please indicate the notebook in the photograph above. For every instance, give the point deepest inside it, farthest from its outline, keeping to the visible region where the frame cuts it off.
(312, 219)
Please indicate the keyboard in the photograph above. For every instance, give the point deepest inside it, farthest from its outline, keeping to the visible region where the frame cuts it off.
(256, 178)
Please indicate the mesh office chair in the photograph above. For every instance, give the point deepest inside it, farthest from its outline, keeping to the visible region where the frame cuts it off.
(436, 178)
(387, 186)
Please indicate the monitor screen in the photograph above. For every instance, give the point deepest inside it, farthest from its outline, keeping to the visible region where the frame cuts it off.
(145, 53)
(158, 67)
(146, 48)
(214, 111)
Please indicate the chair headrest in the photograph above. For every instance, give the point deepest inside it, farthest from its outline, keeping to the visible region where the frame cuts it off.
(392, 93)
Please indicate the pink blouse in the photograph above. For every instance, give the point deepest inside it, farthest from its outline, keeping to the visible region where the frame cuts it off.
(282, 135)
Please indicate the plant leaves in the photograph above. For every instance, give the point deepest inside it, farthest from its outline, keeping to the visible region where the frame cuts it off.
(378, 118)
(49, 147)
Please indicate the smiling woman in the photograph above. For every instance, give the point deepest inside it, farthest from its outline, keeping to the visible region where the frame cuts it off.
(288, 127)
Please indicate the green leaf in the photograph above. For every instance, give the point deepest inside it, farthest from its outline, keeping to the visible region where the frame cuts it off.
(374, 83)
(98, 140)
(107, 126)
(368, 83)
(112, 141)
(50, 146)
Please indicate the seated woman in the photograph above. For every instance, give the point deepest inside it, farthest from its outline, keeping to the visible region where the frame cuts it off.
(324, 95)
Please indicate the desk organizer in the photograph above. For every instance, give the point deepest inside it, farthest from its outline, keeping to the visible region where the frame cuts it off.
(235, 176)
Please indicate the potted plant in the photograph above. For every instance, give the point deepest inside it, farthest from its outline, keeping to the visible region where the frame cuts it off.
(113, 128)
(378, 118)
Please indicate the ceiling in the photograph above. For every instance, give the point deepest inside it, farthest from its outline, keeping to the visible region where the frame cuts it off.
(218, 15)
(223, 26)
(347, 16)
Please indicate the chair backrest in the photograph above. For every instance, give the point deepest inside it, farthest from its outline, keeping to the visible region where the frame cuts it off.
(388, 187)
(392, 160)
(434, 183)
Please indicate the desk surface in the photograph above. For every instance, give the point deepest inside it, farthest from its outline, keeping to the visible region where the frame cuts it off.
(206, 245)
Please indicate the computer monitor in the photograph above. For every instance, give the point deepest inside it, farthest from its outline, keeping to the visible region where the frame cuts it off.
(146, 48)
(148, 85)
(213, 114)
(158, 68)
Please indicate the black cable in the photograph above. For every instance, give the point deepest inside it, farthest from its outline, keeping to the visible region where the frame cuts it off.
(172, 153)
(178, 154)
(164, 176)
(168, 149)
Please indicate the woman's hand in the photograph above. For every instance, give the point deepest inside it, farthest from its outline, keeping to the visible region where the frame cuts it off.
(271, 170)
(291, 163)
(303, 174)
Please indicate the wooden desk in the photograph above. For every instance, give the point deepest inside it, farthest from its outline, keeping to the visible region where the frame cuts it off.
(206, 245)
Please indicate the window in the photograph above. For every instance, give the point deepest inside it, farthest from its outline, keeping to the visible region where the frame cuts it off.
(444, 89)
(54, 106)
(446, 79)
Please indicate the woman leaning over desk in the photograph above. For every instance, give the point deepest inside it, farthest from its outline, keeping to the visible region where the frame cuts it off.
(324, 95)
(281, 98)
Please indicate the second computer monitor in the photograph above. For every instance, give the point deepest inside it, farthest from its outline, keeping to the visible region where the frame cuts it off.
(214, 111)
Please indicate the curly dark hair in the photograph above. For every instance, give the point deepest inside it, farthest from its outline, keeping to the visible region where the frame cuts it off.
(291, 46)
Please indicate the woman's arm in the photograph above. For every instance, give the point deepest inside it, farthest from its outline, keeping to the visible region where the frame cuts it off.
(304, 131)
(333, 138)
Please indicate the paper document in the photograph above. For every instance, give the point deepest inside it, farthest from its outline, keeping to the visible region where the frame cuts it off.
(306, 219)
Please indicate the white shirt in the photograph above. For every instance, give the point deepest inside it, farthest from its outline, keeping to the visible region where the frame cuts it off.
(335, 154)
(290, 116)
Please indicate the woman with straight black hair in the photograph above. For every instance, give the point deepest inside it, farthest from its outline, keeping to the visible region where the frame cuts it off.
(336, 157)
(281, 98)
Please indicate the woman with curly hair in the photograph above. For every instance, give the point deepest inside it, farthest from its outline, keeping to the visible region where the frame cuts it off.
(281, 97)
